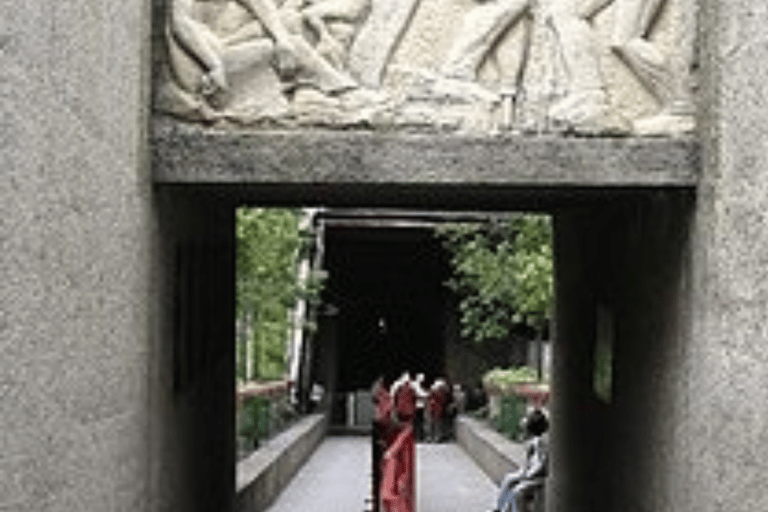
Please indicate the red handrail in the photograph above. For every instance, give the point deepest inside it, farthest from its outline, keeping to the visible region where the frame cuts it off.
(265, 389)
(398, 493)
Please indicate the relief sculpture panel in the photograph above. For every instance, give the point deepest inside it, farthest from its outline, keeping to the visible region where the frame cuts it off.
(616, 67)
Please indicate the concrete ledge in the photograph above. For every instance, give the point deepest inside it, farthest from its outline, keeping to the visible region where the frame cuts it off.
(262, 476)
(494, 453)
(189, 154)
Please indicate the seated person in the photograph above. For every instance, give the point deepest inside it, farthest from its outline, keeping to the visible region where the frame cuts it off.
(517, 486)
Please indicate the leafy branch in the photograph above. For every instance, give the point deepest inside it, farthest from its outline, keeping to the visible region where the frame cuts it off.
(269, 246)
(502, 274)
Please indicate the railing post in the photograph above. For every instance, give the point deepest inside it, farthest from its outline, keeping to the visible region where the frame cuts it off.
(398, 490)
(380, 433)
(410, 464)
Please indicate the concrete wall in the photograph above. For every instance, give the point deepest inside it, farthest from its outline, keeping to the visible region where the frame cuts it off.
(688, 418)
(262, 476)
(77, 225)
(90, 416)
(633, 260)
(726, 454)
(192, 364)
(652, 309)
(495, 454)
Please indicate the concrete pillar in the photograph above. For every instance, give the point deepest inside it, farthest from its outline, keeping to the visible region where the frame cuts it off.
(574, 441)
(76, 229)
(650, 299)
(725, 450)
(628, 260)
(326, 362)
(192, 367)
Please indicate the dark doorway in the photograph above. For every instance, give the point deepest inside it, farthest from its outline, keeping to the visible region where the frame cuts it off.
(387, 285)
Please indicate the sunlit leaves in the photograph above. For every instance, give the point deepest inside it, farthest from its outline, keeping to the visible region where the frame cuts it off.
(502, 273)
(504, 380)
(268, 244)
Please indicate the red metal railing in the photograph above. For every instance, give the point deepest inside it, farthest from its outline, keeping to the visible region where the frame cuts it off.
(267, 389)
(398, 492)
(535, 395)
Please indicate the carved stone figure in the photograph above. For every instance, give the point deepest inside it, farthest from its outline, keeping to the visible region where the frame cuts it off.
(310, 62)
(335, 23)
(454, 97)
(373, 46)
(666, 77)
(585, 106)
(238, 60)
(481, 29)
(204, 75)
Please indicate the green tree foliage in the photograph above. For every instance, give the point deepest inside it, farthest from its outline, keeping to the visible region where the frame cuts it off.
(504, 380)
(268, 246)
(502, 274)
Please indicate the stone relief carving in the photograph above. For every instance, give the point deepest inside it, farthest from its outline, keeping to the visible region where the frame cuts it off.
(246, 61)
(378, 37)
(585, 105)
(578, 66)
(665, 75)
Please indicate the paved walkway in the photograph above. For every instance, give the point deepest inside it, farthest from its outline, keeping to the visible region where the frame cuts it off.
(449, 481)
(337, 478)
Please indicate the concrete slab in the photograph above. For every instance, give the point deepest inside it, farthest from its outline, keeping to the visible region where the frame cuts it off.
(184, 154)
(448, 480)
(490, 450)
(337, 478)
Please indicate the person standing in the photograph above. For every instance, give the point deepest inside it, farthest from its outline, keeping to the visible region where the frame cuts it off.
(437, 405)
(405, 399)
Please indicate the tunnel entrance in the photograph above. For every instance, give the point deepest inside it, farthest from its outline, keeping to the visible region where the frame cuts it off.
(394, 274)
(385, 309)
(385, 285)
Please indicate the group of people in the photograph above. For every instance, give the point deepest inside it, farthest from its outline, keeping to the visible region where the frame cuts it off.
(402, 403)
(431, 409)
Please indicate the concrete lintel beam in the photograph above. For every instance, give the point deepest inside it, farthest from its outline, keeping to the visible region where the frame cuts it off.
(184, 154)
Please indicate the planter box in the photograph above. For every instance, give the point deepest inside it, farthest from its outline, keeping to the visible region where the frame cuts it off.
(535, 395)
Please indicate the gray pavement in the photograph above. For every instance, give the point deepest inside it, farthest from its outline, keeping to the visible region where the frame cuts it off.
(448, 480)
(337, 478)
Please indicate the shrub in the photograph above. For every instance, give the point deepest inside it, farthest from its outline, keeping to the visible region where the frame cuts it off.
(503, 380)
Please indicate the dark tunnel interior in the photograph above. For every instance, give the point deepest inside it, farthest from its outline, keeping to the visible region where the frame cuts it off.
(387, 286)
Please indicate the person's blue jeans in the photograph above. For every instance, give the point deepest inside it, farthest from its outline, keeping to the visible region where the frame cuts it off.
(513, 488)
(506, 501)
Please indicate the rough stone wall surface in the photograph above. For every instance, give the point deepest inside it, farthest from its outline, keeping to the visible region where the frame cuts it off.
(75, 233)
(574, 483)
(191, 367)
(651, 290)
(727, 450)
(630, 260)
